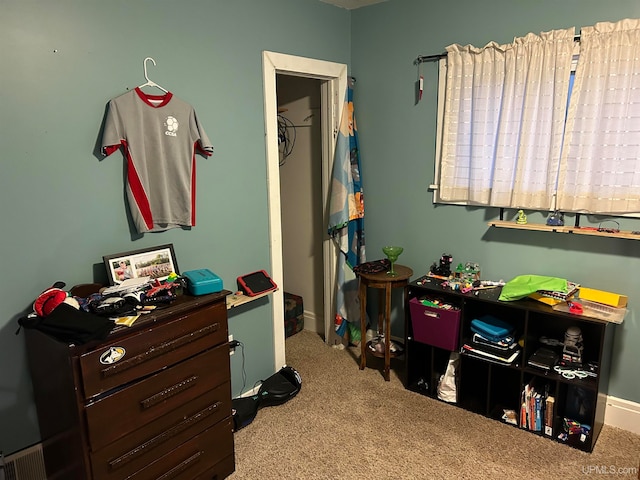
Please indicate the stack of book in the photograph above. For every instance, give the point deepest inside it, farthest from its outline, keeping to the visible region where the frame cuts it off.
(537, 410)
(503, 352)
(492, 340)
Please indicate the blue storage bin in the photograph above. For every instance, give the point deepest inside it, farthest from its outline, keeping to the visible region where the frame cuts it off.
(202, 281)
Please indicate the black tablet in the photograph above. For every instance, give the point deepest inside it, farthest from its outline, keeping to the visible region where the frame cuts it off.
(256, 283)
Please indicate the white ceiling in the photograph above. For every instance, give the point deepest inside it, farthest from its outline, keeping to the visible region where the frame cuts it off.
(352, 4)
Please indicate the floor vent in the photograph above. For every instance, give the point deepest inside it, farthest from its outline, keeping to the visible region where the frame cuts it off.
(26, 464)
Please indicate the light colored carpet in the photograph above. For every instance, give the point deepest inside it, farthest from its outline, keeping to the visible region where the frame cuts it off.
(351, 424)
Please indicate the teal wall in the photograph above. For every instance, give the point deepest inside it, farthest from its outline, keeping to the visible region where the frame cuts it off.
(397, 141)
(63, 208)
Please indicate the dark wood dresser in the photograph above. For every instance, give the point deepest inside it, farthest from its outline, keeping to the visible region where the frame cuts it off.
(152, 401)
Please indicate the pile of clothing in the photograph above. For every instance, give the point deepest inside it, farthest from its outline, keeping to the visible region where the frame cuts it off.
(79, 319)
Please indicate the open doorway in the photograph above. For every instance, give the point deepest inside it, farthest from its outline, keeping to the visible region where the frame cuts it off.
(301, 200)
(333, 86)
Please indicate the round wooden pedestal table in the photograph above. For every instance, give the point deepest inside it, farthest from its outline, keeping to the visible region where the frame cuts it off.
(385, 282)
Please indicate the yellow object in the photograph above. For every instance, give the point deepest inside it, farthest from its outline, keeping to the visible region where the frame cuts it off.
(544, 299)
(522, 218)
(600, 296)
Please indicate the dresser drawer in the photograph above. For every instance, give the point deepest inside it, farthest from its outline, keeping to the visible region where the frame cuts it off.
(149, 351)
(141, 447)
(202, 454)
(136, 405)
(220, 470)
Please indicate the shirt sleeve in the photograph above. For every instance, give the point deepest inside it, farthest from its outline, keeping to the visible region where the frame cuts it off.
(204, 145)
(112, 137)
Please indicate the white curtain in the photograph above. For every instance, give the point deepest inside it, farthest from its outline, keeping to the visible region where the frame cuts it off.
(600, 165)
(504, 118)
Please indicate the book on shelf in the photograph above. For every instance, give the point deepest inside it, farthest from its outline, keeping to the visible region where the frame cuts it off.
(548, 415)
(536, 412)
(495, 357)
(525, 414)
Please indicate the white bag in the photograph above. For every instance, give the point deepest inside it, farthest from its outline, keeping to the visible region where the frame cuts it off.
(447, 383)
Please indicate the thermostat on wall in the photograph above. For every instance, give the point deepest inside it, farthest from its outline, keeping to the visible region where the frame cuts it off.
(255, 283)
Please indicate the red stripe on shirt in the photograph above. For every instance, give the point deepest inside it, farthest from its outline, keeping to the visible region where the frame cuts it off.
(193, 185)
(136, 188)
(109, 149)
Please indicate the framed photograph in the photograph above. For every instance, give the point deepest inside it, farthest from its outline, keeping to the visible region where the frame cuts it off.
(155, 262)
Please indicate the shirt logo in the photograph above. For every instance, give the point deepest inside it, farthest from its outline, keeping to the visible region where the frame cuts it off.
(172, 126)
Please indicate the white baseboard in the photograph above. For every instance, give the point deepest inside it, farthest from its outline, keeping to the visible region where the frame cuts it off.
(313, 322)
(623, 414)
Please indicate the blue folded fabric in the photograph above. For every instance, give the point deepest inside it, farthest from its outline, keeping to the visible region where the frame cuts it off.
(491, 328)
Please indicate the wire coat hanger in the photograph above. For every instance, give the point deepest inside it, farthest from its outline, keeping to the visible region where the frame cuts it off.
(150, 83)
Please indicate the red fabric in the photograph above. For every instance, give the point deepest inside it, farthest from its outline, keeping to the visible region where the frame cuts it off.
(48, 300)
(110, 149)
(146, 98)
(136, 188)
(193, 186)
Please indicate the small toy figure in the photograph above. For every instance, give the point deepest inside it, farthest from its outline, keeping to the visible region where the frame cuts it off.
(522, 218)
(573, 346)
(556, 219)
(444, 269)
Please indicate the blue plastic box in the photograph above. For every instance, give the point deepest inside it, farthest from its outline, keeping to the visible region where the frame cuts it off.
(202, 281)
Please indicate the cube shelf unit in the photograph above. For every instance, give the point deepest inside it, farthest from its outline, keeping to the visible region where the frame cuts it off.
(488, 388)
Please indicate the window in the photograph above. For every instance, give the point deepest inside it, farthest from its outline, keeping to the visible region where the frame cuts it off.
(600, 164)
(510, 134)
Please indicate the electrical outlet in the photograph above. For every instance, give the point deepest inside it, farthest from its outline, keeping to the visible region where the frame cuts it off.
(232, 350)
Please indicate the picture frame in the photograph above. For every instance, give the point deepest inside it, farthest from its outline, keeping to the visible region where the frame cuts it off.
(154, 262)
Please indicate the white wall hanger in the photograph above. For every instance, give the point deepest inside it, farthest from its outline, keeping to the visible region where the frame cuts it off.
(150, 83)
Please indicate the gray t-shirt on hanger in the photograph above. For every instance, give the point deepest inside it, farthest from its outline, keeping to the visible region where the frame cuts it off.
(160, 135)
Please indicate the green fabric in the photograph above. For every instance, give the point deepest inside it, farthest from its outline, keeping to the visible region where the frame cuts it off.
(521, 286)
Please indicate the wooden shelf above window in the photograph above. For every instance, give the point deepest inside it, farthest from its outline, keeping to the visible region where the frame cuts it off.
(593, 231)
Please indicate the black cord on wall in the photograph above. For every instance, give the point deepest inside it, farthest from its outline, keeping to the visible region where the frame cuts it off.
(286, 137)
(234, 344)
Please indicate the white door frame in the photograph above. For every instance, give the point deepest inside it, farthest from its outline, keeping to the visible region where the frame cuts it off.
(333, 94)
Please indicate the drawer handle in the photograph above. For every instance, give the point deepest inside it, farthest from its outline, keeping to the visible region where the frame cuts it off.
(181, 467)
(431, 314)
(169, 392)
(161, 349)
(163, 437)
